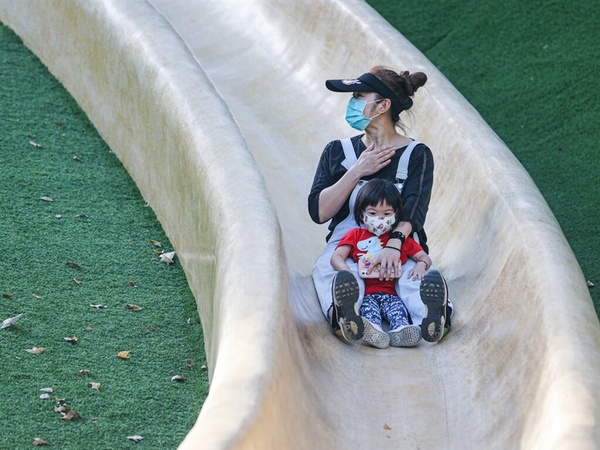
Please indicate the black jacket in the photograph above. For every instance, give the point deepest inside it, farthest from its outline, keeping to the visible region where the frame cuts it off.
(416, 192)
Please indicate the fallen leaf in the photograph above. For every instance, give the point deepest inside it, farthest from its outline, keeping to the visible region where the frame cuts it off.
(10, 321)
(77, 158)
(59, 401)
(150, 328)
(78, 282)
(178, 378)
(134, 307)
(135, 438)
(35, 350)
(167, 258)
(99, 306)
(590, 284)
(49, 390)
(70, 414)
(7, 295)
(58, 216)
(73, 265)
(45, 396)
(89, 328)
(155, 243)
(37, 296)
(46, 199)
(84, 372)
(72, 340)
(124, 354)
(35, 144)
(132, 283)
(39, 441)
(190, 365)
(204, 368)
(95, 386)
(387, 427)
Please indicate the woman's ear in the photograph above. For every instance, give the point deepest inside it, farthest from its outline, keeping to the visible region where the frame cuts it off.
(384, 105)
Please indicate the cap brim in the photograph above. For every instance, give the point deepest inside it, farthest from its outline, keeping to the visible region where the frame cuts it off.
(348, 85)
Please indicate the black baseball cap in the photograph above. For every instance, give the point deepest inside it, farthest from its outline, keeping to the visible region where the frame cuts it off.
(367, 82)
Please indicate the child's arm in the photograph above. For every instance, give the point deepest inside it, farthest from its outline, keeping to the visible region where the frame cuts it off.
(338, 259)
(423, 264)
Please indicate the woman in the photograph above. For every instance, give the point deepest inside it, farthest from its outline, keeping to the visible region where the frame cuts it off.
(378, 98)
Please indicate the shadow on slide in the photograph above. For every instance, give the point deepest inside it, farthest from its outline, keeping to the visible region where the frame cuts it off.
(218, 110)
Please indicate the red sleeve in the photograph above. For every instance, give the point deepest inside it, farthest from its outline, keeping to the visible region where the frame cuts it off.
(411, 247)
(350, 238)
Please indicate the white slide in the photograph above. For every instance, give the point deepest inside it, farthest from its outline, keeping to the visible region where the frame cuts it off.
(219, 112)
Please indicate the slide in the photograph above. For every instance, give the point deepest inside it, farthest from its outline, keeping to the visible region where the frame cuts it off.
(219, 112)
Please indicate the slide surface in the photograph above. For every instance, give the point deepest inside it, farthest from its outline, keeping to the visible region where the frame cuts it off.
(218, 110)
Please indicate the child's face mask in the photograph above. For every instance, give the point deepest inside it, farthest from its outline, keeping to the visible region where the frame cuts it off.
(378, 225)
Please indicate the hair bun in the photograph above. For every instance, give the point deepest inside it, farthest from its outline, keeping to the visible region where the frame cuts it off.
(413, 81)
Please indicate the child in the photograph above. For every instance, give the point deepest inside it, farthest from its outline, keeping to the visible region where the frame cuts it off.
(378, 208)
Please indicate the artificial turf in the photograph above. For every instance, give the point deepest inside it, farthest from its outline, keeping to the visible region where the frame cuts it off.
(76, 232)
(528, 67)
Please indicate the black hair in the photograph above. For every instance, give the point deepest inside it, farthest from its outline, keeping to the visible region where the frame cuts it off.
(375, 192)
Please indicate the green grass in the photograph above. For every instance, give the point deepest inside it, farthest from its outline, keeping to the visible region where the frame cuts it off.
(99, 221)
(531, 70)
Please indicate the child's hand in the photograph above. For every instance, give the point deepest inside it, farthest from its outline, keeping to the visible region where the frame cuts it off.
(417, 272)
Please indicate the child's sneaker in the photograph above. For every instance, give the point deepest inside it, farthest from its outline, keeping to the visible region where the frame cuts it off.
(406, 336)
(345, 295)
(434, 294)
(377, 338)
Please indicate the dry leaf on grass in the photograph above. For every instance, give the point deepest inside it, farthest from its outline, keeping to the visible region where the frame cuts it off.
(10, 321)
(67, 413)
(48, 390)
(590, 284)
(95, 386)
(131, 283)
(37, 296)
(7, 295)
(73, 265)
(155, 243)
(72, 340)
(39, 441)
(78, 282)
(134, 307)
(167, 258)
(35, 144)
(99, 306)
(178, 378)
(84, 372)
(135, 438)
(124, 354)
(77, 158)
(45, 396)
(46, 199)
(35, 350)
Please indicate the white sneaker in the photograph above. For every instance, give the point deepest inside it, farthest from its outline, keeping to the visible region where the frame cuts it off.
(405, 336)
(377, 338)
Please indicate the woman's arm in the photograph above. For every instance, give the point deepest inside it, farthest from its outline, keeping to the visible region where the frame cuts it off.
(328, 197)
(416, 194)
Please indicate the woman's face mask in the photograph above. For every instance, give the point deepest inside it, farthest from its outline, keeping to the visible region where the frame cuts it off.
(355, 113)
